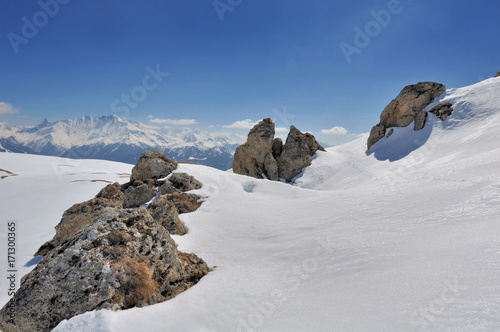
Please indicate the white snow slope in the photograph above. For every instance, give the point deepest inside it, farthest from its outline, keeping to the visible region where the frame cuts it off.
(404, 238)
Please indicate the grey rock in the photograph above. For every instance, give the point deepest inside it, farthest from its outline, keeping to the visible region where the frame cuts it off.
(180, 182)
(313, 144)
(136, 195)
(376, 134)
(277, 147)
(442, 111)
(419, 122)
(249, 157)
(271, 167)
(124, 259)
(165, 212)
(406, 108)
(263, 154)
(389, 133)
(152, 165)
(295, 156)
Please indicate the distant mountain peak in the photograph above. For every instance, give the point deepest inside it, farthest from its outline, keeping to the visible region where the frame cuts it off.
(44, 123)
(110, 137)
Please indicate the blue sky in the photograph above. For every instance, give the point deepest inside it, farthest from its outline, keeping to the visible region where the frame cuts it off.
(217, 64)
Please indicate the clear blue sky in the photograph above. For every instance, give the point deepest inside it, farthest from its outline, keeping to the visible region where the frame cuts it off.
(264, 57)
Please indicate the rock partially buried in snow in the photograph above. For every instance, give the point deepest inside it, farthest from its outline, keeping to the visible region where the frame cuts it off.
(152, 165)
(442, 111)
(183, 202)
(265, 156)
(406, 108)
(80, 215)
(124, 259)
(180, 182)
(107, 256)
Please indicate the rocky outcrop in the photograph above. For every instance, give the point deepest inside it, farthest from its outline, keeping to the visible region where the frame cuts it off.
(152, 165)
(442, 111)
(108, 256)
(296, 153)
(406, 108)
(123, 259)
(249, 158)
(265, 156)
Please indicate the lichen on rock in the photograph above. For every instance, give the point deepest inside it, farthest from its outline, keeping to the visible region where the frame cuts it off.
(109, 253)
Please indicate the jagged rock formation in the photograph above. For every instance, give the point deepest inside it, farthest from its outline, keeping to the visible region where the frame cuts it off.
(296, 153)
(406, 108)
(263, 155)
(105, 256)
(249, 158)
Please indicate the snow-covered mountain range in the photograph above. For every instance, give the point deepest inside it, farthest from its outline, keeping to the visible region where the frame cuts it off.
(116, 139)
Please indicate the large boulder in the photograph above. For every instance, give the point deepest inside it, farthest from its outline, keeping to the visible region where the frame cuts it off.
(265, 156)
(296, 153)
(249, 158)
(123, 259)
(406, 108)
(152, 165)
